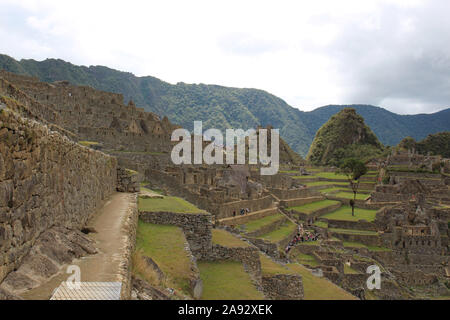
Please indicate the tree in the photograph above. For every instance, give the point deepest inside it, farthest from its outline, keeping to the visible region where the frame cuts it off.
(353, 169)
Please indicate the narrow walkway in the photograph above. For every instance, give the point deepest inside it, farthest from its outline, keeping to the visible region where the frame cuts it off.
(109, 239)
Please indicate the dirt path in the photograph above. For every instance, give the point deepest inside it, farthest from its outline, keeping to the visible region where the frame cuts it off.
(103, 266)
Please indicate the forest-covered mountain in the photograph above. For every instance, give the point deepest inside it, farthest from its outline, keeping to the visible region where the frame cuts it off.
(224, 107)
(344, 135)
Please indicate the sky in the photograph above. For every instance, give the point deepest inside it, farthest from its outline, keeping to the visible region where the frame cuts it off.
(394, 54)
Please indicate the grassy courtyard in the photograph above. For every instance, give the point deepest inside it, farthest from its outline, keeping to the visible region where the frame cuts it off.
(165, 245)
(168, 204)
(345, 213)
(226, 280)
(314, 206)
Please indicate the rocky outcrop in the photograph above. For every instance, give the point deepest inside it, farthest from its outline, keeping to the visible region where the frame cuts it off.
(53, 249)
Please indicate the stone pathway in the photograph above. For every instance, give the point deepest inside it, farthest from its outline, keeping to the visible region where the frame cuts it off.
(105, 265)
(89, 291)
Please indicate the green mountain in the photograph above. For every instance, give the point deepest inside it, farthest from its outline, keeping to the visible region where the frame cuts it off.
(344, 135)
(434, 144)
(224, 107)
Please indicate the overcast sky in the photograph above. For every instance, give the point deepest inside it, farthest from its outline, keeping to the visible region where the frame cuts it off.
(394, 54)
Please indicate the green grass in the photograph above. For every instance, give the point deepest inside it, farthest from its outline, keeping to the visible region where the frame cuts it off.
(288, 171)
(313, 206)
(321, 224)
(151, 190)
(166, 246)
(168, 204)
(307, 259)
(226, 280)
(258, 224)
(270, 267)
(330, 190)
(88, 143)
(345, 213)
(325, 183)
(331, 175)
(304, 177)
(281, 233)
(349, 270)
(349, 195)
(316, 288)
(226, 239)
(349, 244)
(351, 231)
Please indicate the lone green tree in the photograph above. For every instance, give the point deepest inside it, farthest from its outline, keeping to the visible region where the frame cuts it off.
(354, 169)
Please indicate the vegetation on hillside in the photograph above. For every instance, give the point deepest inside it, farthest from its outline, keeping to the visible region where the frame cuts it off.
(434, 144)
(344, 136)
(224, 107)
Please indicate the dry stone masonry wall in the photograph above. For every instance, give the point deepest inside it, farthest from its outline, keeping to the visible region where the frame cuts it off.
(45, 180)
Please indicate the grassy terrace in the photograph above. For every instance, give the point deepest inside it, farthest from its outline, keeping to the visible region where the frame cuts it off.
(168, 204)
(319, 288)
(226, 239)
(349, 195)
(361, 245)
(226, 280)
(331, 175)
(330, 190)
(88, 143)
(321, 224)
(281, 233)
(304, 177)
(270, 267)
(307, 259)
(325, 183)
(349, 270)
(345, 213)
(258, 224)
(351, 231)
(313, 206)
(165, 245)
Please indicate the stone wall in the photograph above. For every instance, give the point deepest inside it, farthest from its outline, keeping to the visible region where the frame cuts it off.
(127, 180)
(45, 180)
(283, 287)
(357, 225)
(196, 227)
(300, 202)
(293, 193)
(130, 229)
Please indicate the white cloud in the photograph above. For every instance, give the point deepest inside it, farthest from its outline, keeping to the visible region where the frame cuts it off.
(308, 53)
